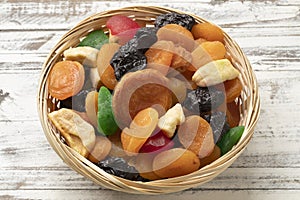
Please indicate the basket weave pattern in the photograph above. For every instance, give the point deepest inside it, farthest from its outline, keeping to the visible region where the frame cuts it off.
(249, 103)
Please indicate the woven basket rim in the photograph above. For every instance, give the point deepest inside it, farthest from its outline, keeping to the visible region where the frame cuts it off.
(89, 170)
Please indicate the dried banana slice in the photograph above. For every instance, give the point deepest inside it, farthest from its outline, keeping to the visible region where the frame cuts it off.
(85, 55)
(173, 117)
(215, 72)
(70, 124)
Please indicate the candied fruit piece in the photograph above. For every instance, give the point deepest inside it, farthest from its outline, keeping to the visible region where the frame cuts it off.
(157, 143)
(184, 20)
(94, 39)
(121, 28)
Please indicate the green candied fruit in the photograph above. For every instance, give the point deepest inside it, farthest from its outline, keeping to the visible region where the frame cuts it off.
(94, 39)
(230, 139)
(106, 120)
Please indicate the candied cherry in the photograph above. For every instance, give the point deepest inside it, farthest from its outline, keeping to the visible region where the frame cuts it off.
(157, 143)
(121, 28)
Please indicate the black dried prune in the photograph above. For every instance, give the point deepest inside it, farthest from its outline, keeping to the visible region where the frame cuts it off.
(119, 167)
(203, 99)
(76, 102)
(130, 57)
(145, 37)
(127, 61)
(184, 20)
(218, 123)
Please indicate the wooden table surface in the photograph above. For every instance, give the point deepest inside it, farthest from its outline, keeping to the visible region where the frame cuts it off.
(267, 31)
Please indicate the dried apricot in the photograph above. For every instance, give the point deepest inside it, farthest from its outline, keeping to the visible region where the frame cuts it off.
(159, 56)
(208, 31)
(177, 34)
(196, 135)
(200, 41)
(140, 130)
(233, 89)
(200, 57)
(144, 166)
(215, 49)
(181, 58)
(212, 157)
(101, 149)
(233, 114)
(66, 79)
(137, 91)
(108, 78)
(175, 162)
(105, 70)
(116, 148)
(91, 107)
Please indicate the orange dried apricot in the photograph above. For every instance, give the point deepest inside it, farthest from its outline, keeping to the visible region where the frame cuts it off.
(200, 41)
(101, 149)
(233, 114)
(196, 135)
(215, 49)
(144, 166)
(137, 91)
(105, 70)
(181, 58)
(175, 162)
(211, 158)
(208, 31)
(177, 34)
(233, 89)
(140, 130)
(159, 56)
(66, 79)
(108, 78)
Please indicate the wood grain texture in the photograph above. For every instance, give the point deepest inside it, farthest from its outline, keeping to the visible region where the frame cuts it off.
(267, 31)
(187, 195)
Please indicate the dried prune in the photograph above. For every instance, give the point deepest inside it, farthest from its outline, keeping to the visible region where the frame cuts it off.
(218, 123)
(76, 102)
(130, 57)
(184, 20)
(145, 37)
(128, 61)
(203, 99)
(119, 167)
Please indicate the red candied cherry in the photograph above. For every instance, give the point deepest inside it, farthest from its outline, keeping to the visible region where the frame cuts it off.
(157, 143)
(121, 29)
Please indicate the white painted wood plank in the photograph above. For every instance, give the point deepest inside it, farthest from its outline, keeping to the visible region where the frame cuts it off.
(41, 15)
(186, 195)
(231, 179)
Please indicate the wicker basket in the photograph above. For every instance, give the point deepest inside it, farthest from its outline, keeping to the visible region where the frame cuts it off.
(249, 109)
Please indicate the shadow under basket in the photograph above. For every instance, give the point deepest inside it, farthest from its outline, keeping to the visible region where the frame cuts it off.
(249, 105)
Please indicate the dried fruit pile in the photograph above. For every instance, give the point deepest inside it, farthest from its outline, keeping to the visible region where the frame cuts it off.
(146, 103)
